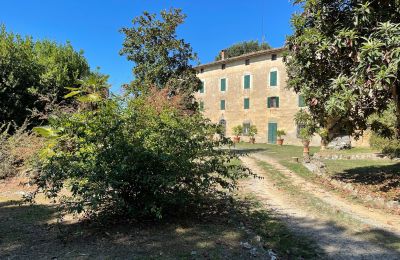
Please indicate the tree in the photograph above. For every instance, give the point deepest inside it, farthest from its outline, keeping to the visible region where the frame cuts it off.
(243, 48)
(141, 156)
(32, 70)
(344, 59)
(161, 59)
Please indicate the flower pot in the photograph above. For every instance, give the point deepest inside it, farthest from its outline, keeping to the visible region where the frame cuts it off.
(252, 140)
(279, 141)
(236, 139)
(324, 144)
(306, 143)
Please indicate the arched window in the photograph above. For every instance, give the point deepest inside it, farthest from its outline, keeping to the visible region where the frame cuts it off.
(222, 123)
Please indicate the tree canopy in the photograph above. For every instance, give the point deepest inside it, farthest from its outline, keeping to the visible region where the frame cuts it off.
(344, 59)
(30, 69)
(161, 59)
(243, 48)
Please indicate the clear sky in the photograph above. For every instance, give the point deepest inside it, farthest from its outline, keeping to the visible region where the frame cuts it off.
(93, 25)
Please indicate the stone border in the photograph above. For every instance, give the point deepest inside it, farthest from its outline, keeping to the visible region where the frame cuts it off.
(318, 167)
(361, 156)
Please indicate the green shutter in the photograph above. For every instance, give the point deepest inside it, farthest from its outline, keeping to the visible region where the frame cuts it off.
(222, 104)
(202, 87)
(246, 103)
(223, 84)
(201, 106)
(273, 78)
(277, 101)
(302, 102)
(268, 102)
(247, 81)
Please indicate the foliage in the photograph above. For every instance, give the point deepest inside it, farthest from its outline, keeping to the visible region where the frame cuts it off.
(237, 130)
(139, 157)
(161, 59)
(280, 133)
(305, 134)
(343, 58)
(30, 70)
(252, 131)
(17, 149)
(303, 119)
(241, 48)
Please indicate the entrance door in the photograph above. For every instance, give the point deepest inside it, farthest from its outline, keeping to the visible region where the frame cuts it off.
(272, 128)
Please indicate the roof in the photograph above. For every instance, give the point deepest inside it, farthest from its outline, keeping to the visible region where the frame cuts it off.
(244, 56)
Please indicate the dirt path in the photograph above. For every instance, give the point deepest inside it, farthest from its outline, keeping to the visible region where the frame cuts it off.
(337, 241)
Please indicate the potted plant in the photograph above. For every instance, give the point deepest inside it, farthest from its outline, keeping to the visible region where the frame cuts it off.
(252, 133)
(305, 136)
(280, 133)
(237, 131)
(324, 133)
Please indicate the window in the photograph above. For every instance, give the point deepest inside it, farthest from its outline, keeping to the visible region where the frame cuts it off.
(201, 105)
(273, 78)
(222, 104)
(223, 84)
(222, 123)
(246, 128)
(247, 62)
(246, 103)
(223, 66)
(246, 83)
(201, 90)
(302, 102)
(273, 57)
(273, 102)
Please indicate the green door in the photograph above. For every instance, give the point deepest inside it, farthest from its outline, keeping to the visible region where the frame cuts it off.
(272, 128)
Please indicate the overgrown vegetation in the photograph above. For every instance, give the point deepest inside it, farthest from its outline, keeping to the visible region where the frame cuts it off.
(34, 74)
(243, 48)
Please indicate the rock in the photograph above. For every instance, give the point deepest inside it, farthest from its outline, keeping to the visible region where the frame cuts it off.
(272, 254)
(257, 238)
(193, 253)
(253, 252)
(245, 245)
(340, 143)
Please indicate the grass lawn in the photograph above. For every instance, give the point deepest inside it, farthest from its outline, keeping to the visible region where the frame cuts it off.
(32, 231)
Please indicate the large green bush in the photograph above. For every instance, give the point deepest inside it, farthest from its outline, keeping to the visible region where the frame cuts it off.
(137, 157)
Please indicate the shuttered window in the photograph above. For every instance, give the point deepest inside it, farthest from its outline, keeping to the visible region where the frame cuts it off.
(246, 82)
(302, 102)
(223, 84)
(273, 102)
(222, 104)
(201, 106)
(201, 90)
(273, 78)
(246, 103)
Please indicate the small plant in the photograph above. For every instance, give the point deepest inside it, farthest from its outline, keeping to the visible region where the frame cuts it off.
(305, 134)
(237, 130)
(324, 133)
(280, 133)
(252, 132)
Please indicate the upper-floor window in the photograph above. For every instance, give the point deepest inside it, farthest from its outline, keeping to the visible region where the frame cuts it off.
(247, 62)
(201, 105)
(302, 101)
(222, 104)
(223, 66)
(274, 57)
(273, 78)
(273, 102)
(246, 103)
(246, 81)
(202, 87)
(223, 84)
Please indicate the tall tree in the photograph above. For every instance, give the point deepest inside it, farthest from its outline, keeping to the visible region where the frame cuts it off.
(344, 59)
(161, 58)
(29, 70)
(243, 48)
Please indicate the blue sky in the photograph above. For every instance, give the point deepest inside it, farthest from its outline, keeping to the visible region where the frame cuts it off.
(93, 25)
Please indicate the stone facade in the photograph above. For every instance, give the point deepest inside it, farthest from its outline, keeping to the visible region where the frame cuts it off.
(261, 67)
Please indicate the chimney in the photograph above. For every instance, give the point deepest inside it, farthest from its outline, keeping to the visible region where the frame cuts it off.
(223, 55)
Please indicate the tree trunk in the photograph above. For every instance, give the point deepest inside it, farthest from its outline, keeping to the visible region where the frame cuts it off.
(396, 98)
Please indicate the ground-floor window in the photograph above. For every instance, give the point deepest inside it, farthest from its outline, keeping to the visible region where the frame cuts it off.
(222, 123)
(246, 128)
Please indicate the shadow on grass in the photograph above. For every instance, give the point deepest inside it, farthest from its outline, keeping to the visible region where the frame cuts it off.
(214, 232)
(386, 177)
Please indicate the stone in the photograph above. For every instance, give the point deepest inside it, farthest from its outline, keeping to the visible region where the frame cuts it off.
(340, 143)
(245, 245)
